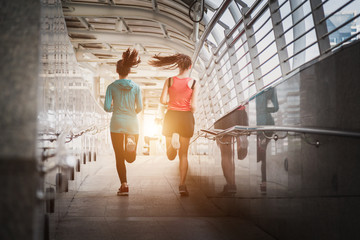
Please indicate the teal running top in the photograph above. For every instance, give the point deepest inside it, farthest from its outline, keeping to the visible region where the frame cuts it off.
(127, 102)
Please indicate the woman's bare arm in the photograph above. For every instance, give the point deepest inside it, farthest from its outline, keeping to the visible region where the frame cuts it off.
(164, 94)
(194, 97)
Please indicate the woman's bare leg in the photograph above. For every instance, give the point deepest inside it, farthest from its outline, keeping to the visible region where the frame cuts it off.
(170, 151)
(227, 161)
(183, 156)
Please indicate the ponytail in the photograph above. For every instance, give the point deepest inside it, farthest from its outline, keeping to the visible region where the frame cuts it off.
(179, 60)
(129, 59)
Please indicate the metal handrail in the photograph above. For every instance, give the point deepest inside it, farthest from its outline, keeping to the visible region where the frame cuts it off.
(246, 130)
(94, 129)
(73, 135)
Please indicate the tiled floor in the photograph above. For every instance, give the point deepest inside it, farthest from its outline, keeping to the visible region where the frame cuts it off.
(153, 209)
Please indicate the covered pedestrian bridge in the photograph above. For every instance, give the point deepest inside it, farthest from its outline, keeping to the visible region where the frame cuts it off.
(275, 151)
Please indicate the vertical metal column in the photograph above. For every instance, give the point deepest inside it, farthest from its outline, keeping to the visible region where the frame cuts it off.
(203, 79)
(234, 69)
(140, 143)
(279, 41)
(317, 11)
(205, 93)
(221, 82)
(204, 58)
(97, 88)
(235, 12)
(249, 31)
(299, 29)
(200, 81)
(198, 8)
(202, 103)
(213, 100)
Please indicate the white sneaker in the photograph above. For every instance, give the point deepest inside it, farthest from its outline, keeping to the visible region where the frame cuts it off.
(183, 190)
(130, 145)
(175, 142)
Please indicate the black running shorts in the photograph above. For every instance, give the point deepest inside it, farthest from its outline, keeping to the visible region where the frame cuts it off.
(181, 122)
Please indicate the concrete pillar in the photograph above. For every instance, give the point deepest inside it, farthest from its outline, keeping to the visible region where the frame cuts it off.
(19, 79)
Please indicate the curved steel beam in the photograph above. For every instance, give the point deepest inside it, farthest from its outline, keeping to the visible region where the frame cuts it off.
(128, 38)
(209, 27)
(90, 10)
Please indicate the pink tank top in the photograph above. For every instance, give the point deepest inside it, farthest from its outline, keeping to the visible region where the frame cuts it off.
(180, 95)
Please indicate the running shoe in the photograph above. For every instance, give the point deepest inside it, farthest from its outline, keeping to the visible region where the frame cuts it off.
(175, 142)
(131, 145)
(228, 190)
(183, 190)
(123, 191)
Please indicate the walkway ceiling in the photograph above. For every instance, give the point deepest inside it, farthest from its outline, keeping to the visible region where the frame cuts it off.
(101, 30)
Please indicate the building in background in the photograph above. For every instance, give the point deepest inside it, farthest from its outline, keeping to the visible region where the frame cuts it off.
(346, 31)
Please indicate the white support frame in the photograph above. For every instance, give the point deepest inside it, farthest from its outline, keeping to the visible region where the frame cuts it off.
(164, 30)
(116, 38)
(320, 28)
(249, 32)
(89, 10)
(298, 30)
(279, 38)
(234, 69)
(85, 23)
(221, 84)
(155, 5)
(237, 16)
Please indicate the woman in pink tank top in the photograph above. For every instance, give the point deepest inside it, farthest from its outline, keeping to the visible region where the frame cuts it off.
(179, 94)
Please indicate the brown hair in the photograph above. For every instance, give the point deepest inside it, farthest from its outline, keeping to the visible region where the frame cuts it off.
(129, 59)
(178, 60)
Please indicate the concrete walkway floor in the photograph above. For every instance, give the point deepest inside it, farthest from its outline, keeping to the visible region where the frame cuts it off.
(153, 210)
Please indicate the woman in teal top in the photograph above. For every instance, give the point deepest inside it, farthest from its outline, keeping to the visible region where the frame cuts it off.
(123, 99)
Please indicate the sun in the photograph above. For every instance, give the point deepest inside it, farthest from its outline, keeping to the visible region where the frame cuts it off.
(150, 127)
